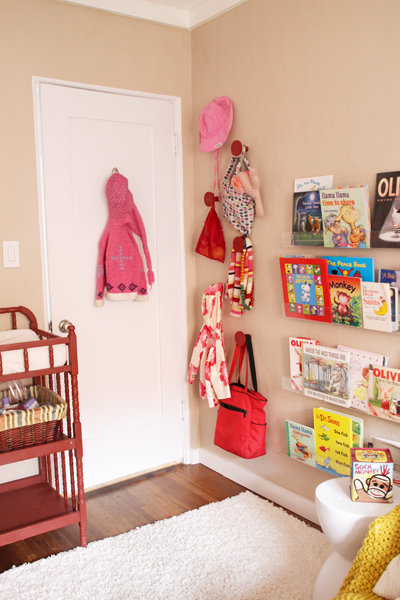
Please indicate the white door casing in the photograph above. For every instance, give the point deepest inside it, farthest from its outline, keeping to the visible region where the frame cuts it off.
(132, 355)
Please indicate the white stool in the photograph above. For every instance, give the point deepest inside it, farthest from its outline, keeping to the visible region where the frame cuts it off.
(345, 524)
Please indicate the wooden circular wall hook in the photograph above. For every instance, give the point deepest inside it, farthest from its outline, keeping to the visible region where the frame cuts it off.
(238, 244)
(209, 199)
(240, 338)
(237, 148)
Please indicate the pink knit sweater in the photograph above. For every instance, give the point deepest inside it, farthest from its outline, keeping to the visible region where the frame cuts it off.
(120, 268)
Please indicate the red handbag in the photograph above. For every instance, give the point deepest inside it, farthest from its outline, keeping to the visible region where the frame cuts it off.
(241, 424)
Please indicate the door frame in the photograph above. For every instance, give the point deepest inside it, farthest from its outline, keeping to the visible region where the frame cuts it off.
(181, 293)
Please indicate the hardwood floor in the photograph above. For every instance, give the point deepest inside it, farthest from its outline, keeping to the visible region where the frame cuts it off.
(126, 505)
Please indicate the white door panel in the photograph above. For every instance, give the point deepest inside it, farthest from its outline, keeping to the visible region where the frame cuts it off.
(130, 380)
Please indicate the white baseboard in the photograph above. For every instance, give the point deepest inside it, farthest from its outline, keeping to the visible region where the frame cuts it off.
(195, 456)
(289, 500)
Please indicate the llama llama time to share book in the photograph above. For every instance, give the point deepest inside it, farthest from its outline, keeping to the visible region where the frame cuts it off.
(346, 217)
(300, 442)
(326, 374)
(305, 288)
(386, 221)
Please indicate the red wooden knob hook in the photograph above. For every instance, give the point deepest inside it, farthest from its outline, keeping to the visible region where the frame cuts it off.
(237, 148)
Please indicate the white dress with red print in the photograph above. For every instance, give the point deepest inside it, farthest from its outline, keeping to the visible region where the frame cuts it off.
(209, 352)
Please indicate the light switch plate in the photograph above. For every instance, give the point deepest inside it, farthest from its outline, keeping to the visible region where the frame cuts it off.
(10, 254)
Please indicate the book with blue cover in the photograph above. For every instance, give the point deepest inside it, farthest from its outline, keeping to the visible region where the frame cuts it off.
(352, 266)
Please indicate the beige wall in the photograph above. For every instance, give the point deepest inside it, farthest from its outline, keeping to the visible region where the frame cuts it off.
(61, 41)
(315, 91)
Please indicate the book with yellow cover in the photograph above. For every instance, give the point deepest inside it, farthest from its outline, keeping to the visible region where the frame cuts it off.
(333, 441)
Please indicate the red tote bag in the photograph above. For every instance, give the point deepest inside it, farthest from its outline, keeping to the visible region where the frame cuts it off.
(241, 424)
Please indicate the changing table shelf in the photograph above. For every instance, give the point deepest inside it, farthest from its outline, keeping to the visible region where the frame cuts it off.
(39, 509)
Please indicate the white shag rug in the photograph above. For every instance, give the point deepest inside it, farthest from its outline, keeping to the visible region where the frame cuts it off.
(242, 548)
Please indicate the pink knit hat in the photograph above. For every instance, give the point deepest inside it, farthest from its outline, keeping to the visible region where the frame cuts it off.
(215, 123)
(120, 199)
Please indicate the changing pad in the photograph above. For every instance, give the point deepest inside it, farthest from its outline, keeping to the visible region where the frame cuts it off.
(13, 360)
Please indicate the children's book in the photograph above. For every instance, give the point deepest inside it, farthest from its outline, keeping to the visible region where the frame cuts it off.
(391, 277)
(307, 219)
(360, 361)
(386, 222)
(308, 184)
(346, 300)
(306, 225)
(300, 442)
(296, 361)
(384, 393)
(357, 429)
(376, 308)
(351, 266)
(326, 374)
(333, 440)
(394, 448)
(306, 288)
(346, 217)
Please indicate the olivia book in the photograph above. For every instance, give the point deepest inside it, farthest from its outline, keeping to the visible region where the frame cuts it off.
(384, 393)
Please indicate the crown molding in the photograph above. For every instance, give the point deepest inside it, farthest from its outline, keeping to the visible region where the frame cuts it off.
(162, 13)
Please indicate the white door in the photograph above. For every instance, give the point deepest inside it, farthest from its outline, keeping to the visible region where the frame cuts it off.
(131, 354)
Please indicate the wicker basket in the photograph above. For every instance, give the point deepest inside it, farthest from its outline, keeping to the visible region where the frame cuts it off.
(44, 421)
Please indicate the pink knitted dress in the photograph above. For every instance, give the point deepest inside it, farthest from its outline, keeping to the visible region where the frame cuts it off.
(120, 269)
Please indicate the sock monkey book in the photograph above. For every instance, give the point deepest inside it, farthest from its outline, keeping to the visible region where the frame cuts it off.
(346, 300)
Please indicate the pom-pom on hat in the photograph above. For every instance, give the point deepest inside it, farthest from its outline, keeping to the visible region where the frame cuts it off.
(215, 123)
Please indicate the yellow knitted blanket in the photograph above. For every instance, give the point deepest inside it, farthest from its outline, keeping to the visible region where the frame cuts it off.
(381, 545)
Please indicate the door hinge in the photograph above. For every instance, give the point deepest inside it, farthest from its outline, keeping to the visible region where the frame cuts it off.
(176, 144)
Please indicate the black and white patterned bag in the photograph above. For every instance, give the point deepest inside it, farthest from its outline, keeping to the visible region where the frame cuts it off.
(238, 207)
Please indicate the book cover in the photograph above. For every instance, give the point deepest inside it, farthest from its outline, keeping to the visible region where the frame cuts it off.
(346, 217)
(307, 219)
(300, 442)
(386, 221)
(357, 429)
(384, 393)
(391, 277)
(306, 288)
(296, 361)
(333, 434)
(371, 475)
(346, 300)
(308, 184)
(376, 309)
(360, 361)
(326, 374)
(351, 266)
(394, 448)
